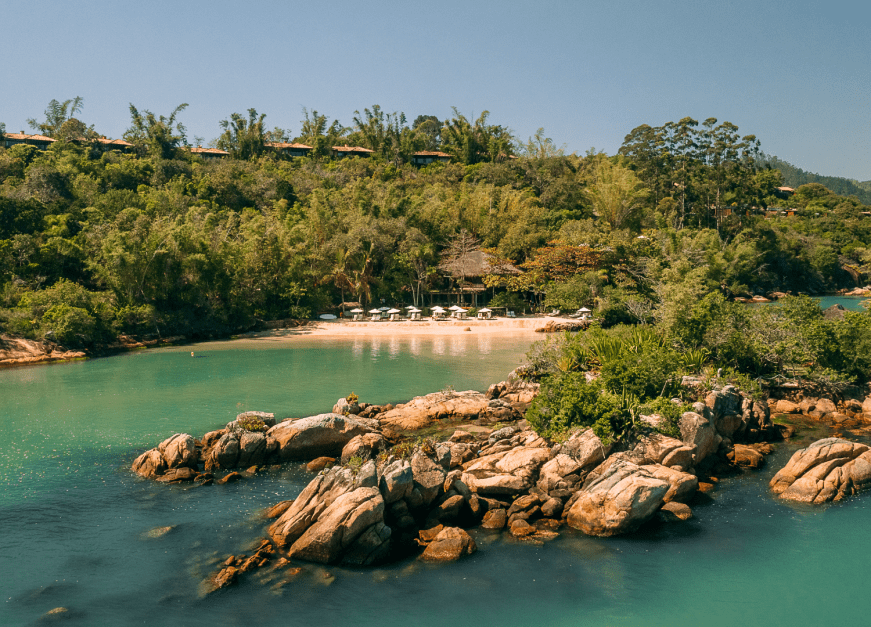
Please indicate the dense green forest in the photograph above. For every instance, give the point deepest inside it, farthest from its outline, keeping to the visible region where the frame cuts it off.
(796, 177)
(158, 242)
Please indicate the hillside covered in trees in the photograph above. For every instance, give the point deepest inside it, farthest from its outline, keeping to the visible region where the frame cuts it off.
(156, 240)
(796, 177)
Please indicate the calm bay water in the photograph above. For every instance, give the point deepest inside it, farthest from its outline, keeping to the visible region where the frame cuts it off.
(76, 523)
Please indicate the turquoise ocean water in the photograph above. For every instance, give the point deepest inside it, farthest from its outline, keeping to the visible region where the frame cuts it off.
(75, 521)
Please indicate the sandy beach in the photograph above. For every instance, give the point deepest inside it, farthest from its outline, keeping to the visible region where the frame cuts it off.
(347, 328)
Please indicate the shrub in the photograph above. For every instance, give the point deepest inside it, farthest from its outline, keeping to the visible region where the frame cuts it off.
(669, 411)
(567, 400)
(252, 423)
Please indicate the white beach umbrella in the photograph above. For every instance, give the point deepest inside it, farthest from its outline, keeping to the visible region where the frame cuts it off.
(393, 311)
(454, 308)
(414, 310)
(583, 310)
(409, 307)
(383, 308)
(461, 310)
(485, 309)
(357, 310)
(437, 308)
(374, 311)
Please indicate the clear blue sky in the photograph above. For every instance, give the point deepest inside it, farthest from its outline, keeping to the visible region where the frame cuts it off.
(795, 74)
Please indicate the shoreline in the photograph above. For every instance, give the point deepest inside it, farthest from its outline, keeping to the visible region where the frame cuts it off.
(386, 328)
(19, 352)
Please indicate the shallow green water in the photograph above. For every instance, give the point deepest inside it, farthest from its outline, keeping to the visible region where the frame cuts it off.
(75, 520)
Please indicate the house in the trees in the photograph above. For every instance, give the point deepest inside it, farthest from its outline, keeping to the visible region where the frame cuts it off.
(425, 157)
(209, 153)
(40, 141)
(292, 149)
(340, 152)
(466, 271)
(114, 144)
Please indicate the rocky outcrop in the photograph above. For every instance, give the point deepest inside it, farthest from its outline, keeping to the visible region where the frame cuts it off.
(16, 350)
(317, 436)
(176, 452)
(364, 446)
(699, 433)
(828, 470)
(505, 473)
(617, 500)
(422, 411)
(667, 451)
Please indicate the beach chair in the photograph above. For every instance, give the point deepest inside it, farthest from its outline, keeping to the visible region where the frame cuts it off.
(511, 314)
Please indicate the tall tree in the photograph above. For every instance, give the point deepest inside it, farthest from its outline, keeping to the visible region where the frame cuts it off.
(474, 142)
(617, 195)
(55, 115)
(158, 136)
(318, 133)
(242, 138)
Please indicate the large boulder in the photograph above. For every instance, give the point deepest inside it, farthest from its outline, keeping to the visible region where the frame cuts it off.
(662, 449)
(150, 464)
(449, 545)
(586, 448)
(699, 432)
(318, 436)
(682, 485)
(397, 481)
(340, 525)
(827, 470)
(317, 496)
(224, 454)
(179, 451)
(428, 477)
(617, 500)
(422, 411)
(364, 446)
(508, 472)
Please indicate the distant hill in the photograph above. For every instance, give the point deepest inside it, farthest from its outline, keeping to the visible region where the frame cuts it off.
(794, 177)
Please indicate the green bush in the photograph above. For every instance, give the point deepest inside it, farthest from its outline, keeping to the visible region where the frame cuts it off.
(670, 413)
(566, 401)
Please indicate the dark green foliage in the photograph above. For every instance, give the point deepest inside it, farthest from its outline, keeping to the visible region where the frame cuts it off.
(669, 411)
(567, 401)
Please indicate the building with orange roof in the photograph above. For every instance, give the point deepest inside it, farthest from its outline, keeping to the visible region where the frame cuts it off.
(289, 149)
(425, 157)
(340, 152)
(40, 141)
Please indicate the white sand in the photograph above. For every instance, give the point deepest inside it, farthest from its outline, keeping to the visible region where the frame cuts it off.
(346, 328)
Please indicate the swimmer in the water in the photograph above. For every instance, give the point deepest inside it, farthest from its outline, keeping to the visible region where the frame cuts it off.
(192, 353)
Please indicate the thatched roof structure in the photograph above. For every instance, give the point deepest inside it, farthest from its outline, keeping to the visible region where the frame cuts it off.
(476, 263)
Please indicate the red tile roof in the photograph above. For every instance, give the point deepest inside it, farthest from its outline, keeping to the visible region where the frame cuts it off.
(115, 142)
(210, 151)
(351, 149)
(25, 136)
(288, 145)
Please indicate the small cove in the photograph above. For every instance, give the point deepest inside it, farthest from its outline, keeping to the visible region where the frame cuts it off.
(76, 521)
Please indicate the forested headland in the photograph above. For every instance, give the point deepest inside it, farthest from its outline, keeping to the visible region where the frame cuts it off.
(157, 241)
